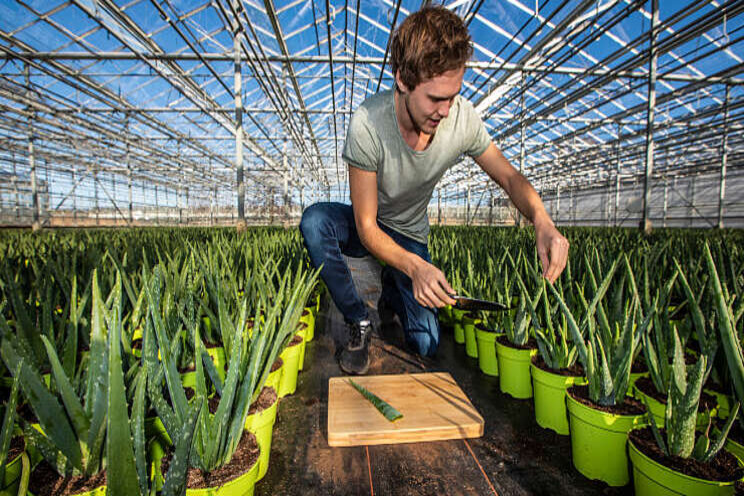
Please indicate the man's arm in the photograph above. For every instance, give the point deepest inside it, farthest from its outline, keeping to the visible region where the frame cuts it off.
(552, 247)
(430, 287)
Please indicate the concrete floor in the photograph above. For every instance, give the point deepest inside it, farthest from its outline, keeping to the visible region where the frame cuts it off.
(514, 457)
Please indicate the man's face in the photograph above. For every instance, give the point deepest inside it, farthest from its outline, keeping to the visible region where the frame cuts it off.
(431, 100)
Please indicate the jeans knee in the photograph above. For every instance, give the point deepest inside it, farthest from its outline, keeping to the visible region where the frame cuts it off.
(425, 341)
(313, 224)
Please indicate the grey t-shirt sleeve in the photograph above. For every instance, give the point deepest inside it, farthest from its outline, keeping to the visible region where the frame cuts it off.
(476, 138)
(361, 147)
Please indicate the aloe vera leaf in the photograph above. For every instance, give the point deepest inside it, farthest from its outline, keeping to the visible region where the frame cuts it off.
(25, 328)
(96, 368)
(154, 382)
(74, 408)
(48, 450)
(654, 429)
(9, 420)
(121, 475)
(172, 378)
(175, 479)
(697, 315)
(384, 408)
(45, 406)
(70, 349)
(729, 337)
(137, 424)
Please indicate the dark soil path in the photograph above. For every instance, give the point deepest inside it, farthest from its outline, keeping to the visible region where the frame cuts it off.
(514, 457)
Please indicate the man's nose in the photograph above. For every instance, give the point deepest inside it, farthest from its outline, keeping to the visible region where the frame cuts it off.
(444, 109)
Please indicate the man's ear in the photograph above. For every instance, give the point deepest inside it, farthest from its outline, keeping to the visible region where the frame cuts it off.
(399, 83)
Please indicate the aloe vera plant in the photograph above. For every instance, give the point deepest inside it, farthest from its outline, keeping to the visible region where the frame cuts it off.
(683, 398)
(73, 446)
(556, 348)
(606, 348)
(250, 356)
(728, 318)
(382, 406)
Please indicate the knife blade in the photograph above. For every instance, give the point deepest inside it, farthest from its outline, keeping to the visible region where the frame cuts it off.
(465, 303)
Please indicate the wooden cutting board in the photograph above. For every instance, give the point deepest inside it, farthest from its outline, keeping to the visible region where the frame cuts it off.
(434, 408)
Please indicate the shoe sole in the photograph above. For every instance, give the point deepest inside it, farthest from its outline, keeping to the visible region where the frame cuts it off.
(354, 372)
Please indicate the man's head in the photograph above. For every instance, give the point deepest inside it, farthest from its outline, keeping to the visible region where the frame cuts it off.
(428, 43)
(428, 54)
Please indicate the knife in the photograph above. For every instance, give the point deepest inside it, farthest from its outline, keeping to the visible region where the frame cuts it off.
(465, 303)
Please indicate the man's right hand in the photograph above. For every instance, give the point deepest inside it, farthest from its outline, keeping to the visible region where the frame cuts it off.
(430, 286)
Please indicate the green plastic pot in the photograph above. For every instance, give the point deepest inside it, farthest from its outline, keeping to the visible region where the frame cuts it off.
(468, 326)
(242, 485)
(651, 478)
(302, 332)
(291, 358)
(487, 360)
(261, 424)
(457, 316)
(514, 371)
(309, 319)
(99, 491)
(550, 398)
(658, 410)
(598, 442)
(275, 378)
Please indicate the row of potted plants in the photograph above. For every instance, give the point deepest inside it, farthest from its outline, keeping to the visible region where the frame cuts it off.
(173, 369)
(586, 332)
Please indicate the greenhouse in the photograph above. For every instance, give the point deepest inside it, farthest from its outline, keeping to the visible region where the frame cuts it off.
(371, 247)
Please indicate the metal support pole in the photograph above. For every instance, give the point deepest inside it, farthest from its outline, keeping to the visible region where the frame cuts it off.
(724, 159)
(467, 207)
(212, 205)
(521, 139)
(666, 204)
(286, 192)
(237, 50)
(439, 207)
(95, 189)
(652, 65)
(74, 196)
(617, 175)
(35, 225)
(490, 207)
(157, 206)
(129, 172)
(15, 187)
(691, 195)
(557, 203)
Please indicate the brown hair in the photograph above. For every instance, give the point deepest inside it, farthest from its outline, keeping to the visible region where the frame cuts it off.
(428, 43)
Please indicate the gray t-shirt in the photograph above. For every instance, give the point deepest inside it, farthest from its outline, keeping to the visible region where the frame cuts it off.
(406, 178)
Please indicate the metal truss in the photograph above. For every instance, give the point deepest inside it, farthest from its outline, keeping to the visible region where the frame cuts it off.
(127, 107)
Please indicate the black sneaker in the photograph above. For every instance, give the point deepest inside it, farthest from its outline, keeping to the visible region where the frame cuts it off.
(354, 357)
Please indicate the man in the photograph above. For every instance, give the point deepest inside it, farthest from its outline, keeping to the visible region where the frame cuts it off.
(399, 144)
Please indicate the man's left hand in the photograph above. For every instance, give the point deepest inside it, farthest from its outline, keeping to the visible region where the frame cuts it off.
(552, 248)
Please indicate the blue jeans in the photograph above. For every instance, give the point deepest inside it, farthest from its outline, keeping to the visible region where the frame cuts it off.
(329, 231)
